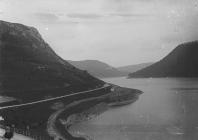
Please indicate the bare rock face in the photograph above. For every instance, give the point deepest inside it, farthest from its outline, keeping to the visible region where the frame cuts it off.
(181, 62)
(29, 67)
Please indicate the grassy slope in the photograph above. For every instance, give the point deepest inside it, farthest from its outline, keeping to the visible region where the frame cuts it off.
(181, 62)
(28, 66)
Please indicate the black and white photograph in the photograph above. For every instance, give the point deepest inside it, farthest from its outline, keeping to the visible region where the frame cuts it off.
(98, 69)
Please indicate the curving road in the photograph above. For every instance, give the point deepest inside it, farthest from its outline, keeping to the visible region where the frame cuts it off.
(52, 99)
(55, 98)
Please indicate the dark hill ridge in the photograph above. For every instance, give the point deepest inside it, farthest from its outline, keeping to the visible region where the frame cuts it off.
(181, 62)
(28, 64)
(98, 68)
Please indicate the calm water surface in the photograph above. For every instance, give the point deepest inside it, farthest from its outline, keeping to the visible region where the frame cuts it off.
(167, 110)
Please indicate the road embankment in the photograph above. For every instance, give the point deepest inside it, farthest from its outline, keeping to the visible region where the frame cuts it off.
(61, 120)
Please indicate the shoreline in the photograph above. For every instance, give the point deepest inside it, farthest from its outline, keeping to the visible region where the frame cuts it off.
(86, 109)
(92, 116)
(55, 128)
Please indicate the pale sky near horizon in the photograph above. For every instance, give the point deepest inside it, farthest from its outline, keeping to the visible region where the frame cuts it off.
(118, 32)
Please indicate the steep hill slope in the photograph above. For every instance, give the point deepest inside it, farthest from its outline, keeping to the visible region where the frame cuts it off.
(181, 62)
(29, 67)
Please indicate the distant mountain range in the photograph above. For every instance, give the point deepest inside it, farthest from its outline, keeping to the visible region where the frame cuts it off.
(98, 68)
(104, 70)
(134, 68)
(181, 62)
(29, 68)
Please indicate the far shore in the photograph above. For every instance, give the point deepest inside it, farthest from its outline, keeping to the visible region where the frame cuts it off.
(86, 109)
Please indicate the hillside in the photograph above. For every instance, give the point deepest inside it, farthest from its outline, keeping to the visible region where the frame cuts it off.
(181, 62)
(29, 68)
(134, 68)
(98, 68)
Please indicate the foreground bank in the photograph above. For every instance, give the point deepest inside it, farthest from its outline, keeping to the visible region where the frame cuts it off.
(61, 120)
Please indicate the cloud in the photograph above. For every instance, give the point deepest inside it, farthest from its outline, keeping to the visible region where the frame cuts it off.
(129, 15)
(49, 18)
(84, 16)
(46, 17)
(109, 15)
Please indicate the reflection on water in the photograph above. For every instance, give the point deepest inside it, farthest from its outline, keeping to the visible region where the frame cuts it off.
(167, 110)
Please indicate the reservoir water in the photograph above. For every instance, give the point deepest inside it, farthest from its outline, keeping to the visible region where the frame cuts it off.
(167, 110)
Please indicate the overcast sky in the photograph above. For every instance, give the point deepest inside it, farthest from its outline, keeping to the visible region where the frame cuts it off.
(118, 32)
